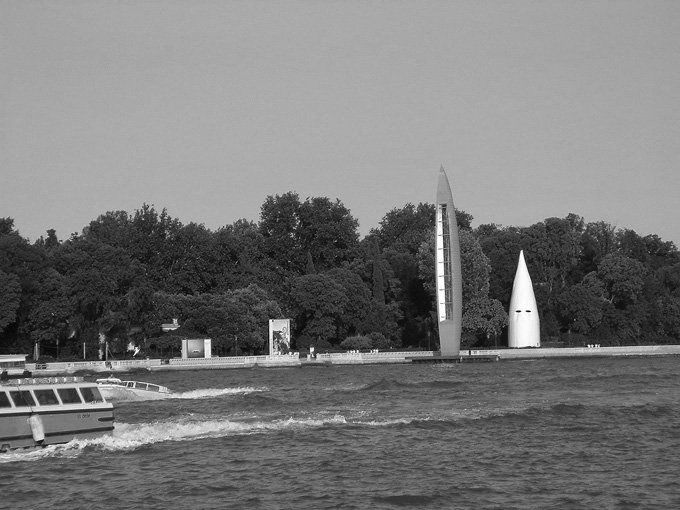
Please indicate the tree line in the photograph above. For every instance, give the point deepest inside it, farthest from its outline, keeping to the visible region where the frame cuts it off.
(126, 274)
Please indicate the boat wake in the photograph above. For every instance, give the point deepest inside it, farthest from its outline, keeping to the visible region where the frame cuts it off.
(123, 395)
(213, 392)
(131, 436)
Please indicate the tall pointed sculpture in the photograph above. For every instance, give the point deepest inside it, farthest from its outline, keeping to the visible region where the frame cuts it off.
(448, 272)
(524, 327)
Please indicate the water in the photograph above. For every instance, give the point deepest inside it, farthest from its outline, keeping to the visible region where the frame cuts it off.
(569, 433)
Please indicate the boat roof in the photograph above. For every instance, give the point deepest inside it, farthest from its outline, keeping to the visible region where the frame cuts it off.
(46, 381)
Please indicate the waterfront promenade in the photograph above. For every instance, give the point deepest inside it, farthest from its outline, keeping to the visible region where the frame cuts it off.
(345, 358)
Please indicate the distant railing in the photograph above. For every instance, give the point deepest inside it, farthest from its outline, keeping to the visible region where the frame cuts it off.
(96, 366)
(292, 358)
(375, 355)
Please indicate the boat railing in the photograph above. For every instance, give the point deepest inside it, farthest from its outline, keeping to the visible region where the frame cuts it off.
(45, 380)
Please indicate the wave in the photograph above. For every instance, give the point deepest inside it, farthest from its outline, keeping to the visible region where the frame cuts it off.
(132, 436)
(125, 396)
(386, 385)
(214, 392)
(391, 384)
(575, 415)
(411, 500)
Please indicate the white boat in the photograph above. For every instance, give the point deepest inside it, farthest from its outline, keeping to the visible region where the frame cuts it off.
(114, 388)
(48, 410)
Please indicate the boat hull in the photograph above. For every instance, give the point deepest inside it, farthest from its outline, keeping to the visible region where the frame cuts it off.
(115, 393)
(59, 426)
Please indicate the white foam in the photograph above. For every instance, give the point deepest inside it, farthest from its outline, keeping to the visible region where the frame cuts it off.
(213, 392)
(130, 436)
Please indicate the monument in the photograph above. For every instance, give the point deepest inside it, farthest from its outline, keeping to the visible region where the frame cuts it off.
(448, 270)
(524, 328)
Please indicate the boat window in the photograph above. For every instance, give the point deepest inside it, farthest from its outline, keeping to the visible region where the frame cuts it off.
(4, 400)
(69, 396)
(46, 397)
(91, 394)
(152, 387)
(22, 398)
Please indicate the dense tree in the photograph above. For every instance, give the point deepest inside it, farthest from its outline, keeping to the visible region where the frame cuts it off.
(318, 302)
(108, 291)
(623, 279)
(319, 226)
(189, 259)
(240, 258)
(482, 315)
(502, 247)
(51, 313)
(485, 317)
(11, 296)
(597, 241)
(21, 263)
(582, 305)
(128, 273)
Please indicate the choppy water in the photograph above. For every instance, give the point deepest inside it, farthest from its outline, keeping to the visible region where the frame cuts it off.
(569, 433)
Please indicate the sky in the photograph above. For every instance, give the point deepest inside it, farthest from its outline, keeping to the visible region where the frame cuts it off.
(535, 109)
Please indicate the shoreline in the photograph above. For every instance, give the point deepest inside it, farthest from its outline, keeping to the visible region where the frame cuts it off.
(353, 358)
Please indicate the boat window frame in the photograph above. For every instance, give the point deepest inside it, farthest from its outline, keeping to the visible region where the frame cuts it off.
(30, 402)
(73, 391)
(5, 402)
(91, 394)
(53, 401)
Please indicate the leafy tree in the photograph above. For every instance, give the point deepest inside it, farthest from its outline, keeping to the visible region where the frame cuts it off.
(623, 279)
(378, 281)
(112, 228)
(50, 313)
(379, 341)
(310, 264)
(553, 246)
(405, 229)
(486, 317)
(481, 315)
(108, 291)
(318, 301)
(328, 231)
(319, 226)
(357, 343)
(668, 317)
(190, 261)
(582, 305)
(597, 241)
(633, 246)
(400, 236)
(240, 258)
(661, 253)
(23, 263)
(501, 246)
(11, 297)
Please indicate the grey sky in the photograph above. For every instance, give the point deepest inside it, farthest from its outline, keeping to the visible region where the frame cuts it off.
(535, 109)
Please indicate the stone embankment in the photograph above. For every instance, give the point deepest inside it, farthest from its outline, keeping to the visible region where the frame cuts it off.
(348, 358)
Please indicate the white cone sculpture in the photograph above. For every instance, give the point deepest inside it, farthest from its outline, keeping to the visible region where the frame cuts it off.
(524, 327)
(448, 272)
